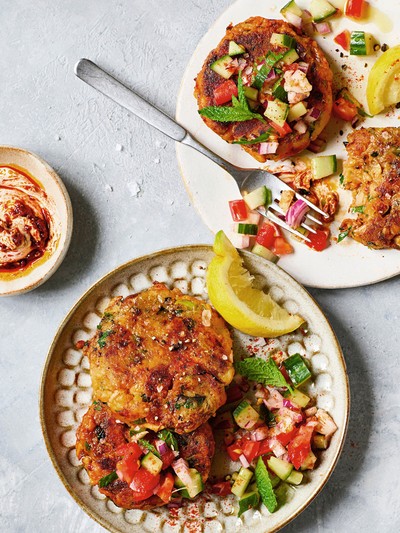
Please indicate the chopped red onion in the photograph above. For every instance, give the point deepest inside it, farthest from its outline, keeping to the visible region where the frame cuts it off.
(161, 446)
(323, 28)
(277, 447)
(260, 433)
(293, 19)
(272, 75)
(181, 469)
(275, 399)
(288, 403)
(296, 213)
(300, 126)
(307, 17)
(268, 148)
(244, 461)
(315, 112)
(303, 66)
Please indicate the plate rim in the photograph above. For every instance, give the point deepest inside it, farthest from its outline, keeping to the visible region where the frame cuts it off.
(191, 247)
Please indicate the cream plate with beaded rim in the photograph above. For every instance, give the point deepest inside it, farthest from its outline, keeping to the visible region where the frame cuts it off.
(66, 391)
(344, 264)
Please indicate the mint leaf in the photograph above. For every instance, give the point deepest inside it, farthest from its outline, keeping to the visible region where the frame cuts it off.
(342, 235)
(261, 371)
(146, 444)
(263, 137)
(264, 486)
(106, 480)
(242, 98)
(239, 112)
(229, 114)
(169, 438)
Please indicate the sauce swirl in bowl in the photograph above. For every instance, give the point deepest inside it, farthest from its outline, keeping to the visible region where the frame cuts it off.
(26, 222)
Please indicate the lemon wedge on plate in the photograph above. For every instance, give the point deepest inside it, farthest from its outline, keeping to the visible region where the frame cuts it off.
(246, 308)
(383, 88)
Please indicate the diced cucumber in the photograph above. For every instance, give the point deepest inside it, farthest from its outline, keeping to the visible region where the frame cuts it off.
(264, 252)
(281, 39)
(246, 229)
(242, 482)
(235, 49)
(296, 111)
(279, 92)
(309, 462)
(270, 60)
(290, 57)
(251, 93)
(323, 165)
(297, 369)
(257, 197)
(321, 442)
(152, 463)
(281, 468)
(221, 66)
(277, 111)
(291, 7)
(245, 416)
(194, 484)
(180, 485)
(249, 500)
(321, 10)
(253, 105)
(295, 478)
(361, 43)
(298, 398)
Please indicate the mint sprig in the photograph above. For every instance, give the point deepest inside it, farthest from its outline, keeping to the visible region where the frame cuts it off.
(264, 486)
(239, 112)
(261, 371)
(262, 138)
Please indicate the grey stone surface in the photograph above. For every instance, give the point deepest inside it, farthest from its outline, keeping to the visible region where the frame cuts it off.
(132, 201)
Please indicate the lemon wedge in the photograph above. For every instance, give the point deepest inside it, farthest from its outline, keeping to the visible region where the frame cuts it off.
(246, 308)
(383, 88)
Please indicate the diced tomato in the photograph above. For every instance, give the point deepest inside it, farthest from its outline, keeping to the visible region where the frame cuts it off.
(130, 448)
(344, 109)
(143, 484)
(282, 247)
(233, 393)
(127, 467)
(238, 210)
(234, 451)
(164, 489)
(319, 240)
(266, 235)
(300, 446)
(264, 447)
(343, 40)
(282, 130)
(250, 449)
(354, 8)
(285, 438)
(224, 92)
(223, 488)
(167, 458)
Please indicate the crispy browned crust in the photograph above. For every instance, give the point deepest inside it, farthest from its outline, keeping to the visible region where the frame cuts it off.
(372, 173)
(163, 357)
(98, 437)
(255, 34)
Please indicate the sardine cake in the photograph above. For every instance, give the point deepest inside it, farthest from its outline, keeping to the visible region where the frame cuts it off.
(161, 359)
(287, 81)
(372, 173)
(101, 439)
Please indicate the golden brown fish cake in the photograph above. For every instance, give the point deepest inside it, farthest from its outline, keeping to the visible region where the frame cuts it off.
(100, 435)
(255, 35)
(372, 173)
(161, 357)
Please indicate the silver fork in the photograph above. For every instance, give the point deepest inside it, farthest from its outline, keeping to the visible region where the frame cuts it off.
(247, 179)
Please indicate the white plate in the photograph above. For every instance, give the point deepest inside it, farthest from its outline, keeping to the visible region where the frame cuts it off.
(348, 264)
(66, 392)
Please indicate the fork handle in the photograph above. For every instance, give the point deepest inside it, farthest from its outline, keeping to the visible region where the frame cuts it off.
(100, 80)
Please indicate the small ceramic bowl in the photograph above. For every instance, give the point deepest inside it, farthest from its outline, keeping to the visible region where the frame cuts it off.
(23, 280)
